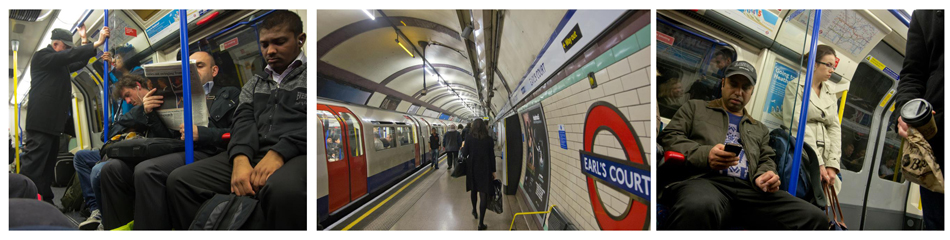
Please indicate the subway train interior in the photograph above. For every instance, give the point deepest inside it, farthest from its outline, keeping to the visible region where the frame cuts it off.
(692, 46)
(546, 83)
(138, 37)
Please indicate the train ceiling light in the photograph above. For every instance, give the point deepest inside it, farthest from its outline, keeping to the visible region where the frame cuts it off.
(370, 14)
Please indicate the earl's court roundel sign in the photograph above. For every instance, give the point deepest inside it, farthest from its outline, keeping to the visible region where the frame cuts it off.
(630, 176)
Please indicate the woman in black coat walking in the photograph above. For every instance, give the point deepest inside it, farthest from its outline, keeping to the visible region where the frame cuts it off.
(480, 168)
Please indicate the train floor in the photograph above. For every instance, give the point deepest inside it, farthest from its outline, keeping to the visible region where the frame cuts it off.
(430, 199)
(73, 216)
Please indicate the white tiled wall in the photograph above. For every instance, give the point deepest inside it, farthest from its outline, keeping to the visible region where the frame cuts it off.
(626, 85)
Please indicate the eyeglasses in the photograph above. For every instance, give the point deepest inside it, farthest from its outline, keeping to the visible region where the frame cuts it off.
(829, 65)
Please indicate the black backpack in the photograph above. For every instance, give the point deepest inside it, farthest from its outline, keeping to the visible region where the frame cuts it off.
(224, 212)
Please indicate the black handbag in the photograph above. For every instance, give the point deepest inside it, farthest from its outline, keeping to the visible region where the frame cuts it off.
(495, 205)
(134, 151)
(224, 212)
(460, 167)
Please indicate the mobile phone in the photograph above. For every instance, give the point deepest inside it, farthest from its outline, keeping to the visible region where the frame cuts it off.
(734, 148)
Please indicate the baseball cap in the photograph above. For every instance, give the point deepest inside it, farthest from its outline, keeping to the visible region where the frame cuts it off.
(63, 35)
(742, 68)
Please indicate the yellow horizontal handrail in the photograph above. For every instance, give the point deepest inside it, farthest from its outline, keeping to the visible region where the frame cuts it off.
(528, 213)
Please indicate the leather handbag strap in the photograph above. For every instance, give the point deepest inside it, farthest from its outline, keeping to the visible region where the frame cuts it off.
(835, 206)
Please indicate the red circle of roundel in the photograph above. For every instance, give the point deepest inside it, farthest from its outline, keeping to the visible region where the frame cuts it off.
(603, 114)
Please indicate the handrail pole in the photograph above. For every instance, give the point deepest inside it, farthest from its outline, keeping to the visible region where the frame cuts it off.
(802, 119)
(186, 86)
(105, 83)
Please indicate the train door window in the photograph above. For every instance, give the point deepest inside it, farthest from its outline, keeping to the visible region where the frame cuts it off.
(403, 133)
(890, 168)
(237, 55)
(333, 133)
(690, 65)
(353, 133)
(384, 137)
(864, 95)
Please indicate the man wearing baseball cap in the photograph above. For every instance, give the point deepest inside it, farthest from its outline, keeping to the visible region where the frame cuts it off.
(714, 188)
(49, 106)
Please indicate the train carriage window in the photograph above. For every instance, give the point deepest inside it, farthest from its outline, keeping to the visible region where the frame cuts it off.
(333, 132)
(403, 134)
(384, 137)
(890, 167)
(690, 65)
(864, 95)
(354, 134)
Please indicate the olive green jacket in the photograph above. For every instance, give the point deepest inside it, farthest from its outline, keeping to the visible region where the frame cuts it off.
(698, 126)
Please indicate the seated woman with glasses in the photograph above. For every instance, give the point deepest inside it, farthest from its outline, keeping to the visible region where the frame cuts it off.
(822, 128)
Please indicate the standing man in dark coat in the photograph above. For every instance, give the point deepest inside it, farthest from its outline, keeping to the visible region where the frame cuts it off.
(480, 168)
(48, 107)
(922, 77)
(434, 148)
(451, 144)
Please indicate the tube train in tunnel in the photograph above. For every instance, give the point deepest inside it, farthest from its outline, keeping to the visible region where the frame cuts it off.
(365, 150)
(693, 46)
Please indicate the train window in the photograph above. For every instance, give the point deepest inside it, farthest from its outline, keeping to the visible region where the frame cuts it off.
(353, 134)
(890, 158)
(689, 66)
(384, 138)
(404, 134)
(237, 55)
(333, 132)
(864, 95)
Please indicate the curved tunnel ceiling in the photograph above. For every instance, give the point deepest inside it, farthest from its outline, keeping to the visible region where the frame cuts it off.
(363, 51)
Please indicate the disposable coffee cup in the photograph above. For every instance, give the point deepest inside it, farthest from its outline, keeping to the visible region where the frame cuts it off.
(918, 113)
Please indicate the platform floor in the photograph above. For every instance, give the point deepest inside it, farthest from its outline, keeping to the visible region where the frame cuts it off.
(429, 200)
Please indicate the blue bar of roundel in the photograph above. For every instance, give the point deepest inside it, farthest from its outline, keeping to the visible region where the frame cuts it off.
(607, 170)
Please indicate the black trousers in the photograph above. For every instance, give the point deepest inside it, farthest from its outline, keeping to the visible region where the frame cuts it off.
(38, 160)
(282, 201)
(717, 201)
(452, 158)
(138, 192)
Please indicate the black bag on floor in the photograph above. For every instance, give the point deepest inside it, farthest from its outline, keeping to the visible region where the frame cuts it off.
(459, 167)
(224, 212)
(134, 151)
(495, 205)
(63, 170)
(72, 197)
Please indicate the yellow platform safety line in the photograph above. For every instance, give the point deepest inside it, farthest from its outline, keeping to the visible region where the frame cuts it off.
(528, 213)
(16, 113)
(347, 228)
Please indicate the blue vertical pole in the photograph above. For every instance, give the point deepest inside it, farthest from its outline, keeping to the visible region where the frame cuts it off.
(800, 140)
(186, 85)
(105, 85)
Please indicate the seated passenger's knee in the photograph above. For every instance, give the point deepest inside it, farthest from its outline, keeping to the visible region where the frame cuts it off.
(699, 204)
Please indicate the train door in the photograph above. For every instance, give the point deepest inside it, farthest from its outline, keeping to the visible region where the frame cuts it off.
(414, 131)
(871, 189)
(427, 131)
(357, 151)
(338, 174)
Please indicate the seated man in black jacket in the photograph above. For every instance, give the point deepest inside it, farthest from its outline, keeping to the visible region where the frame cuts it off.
(266, 157)
(138, 191)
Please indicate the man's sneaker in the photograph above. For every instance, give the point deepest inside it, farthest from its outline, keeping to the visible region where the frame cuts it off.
(93, 222)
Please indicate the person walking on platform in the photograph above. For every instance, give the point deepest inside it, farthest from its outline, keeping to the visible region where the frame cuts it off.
(922, 77)
(451, 144)
(480, 169)
(49, 103)
(434, 148)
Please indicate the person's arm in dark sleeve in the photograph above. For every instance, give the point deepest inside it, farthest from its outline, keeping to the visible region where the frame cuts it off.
(212, 135)
(765, 162)
(292, 144)
(913, 78)
(491, 152)
(66, 57)
(675, 137)
(244, 138)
